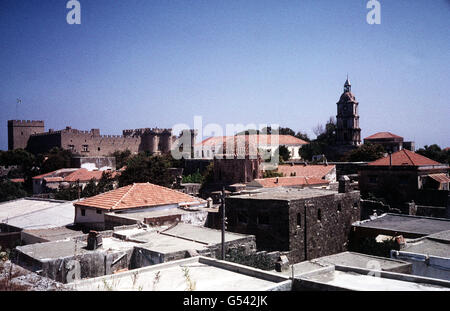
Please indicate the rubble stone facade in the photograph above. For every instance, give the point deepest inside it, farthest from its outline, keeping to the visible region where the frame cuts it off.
(306, 226)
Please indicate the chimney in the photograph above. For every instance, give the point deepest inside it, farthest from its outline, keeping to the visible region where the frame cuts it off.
(94, 240)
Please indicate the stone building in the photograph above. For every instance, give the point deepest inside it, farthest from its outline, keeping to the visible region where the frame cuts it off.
(306, 223)
(389, 141)
(30, 135)
(19, 131)
(402, 176)
(348, 132)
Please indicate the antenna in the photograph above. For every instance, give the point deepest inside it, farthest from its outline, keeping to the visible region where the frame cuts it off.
(19, 101)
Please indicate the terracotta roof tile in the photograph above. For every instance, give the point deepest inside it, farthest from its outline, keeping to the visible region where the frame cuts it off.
(136, 196)
(405, 157)
(383, 135)
(84, 175)
(318, 171)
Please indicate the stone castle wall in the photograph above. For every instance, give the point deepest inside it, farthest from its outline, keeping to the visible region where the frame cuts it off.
(19, 131)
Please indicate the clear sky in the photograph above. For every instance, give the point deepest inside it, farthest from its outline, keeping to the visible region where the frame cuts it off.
(149, 63)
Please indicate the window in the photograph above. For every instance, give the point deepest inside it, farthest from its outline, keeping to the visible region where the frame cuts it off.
(299, 220)
(339, 207)
(85, 148)
(373, 179)
(99, 212)
(319, 214)
(98, 148)
(83, 212)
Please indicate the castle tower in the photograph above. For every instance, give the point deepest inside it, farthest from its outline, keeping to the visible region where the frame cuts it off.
(19, 132)
(348, 131)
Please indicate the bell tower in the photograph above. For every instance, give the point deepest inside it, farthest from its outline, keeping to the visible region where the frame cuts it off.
(348, 131)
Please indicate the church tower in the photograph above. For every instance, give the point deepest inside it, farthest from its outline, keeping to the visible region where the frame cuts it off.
(348, 132)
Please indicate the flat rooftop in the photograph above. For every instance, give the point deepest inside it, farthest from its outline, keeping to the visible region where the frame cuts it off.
(336, 278)
(165, 244)
(285, 194)
(350, 259)
(194, 273)
(406, 224)
(69, 248)
(433, 245)
(30, 213)
(54, 234)
(202, 234)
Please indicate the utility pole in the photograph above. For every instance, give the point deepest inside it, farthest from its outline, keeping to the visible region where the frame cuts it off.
(222, 207)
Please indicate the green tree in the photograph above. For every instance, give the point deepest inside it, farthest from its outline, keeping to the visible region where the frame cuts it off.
(69, 194)
(142, 168)
(435, 153)
(56, 159)
(365, 153)
(11, 191)
(121, 157)
(302, 136)
(284, 153)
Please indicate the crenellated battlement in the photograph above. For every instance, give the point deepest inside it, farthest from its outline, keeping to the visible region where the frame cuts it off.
(38, 123)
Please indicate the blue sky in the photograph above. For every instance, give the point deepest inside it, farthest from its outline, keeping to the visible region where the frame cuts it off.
(150, 63)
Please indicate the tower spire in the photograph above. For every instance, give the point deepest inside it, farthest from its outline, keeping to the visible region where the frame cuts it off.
(347, 85)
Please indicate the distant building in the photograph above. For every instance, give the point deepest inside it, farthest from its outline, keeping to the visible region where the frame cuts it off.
(389, 141)
(306, 223)
(66, 177)
(138, 197)
(402, 174)
(348, 132)
(252, 144)
(325, 171)
(30, 135)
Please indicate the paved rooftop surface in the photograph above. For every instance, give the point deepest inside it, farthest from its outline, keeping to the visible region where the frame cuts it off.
(285, 194)
(37, 214)
(68, 248)
(429, 247)
(407, 224)
(178, 275)
(54, 234)
(202, 234)
(362, 282)
(166, 244)
(347, 259)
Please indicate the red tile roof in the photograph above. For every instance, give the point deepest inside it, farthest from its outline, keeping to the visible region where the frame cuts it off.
(84, 175)
(405, 157)
(383, 135)
(289, 181)
(53, 179)
(318, 171)
(138, 195)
